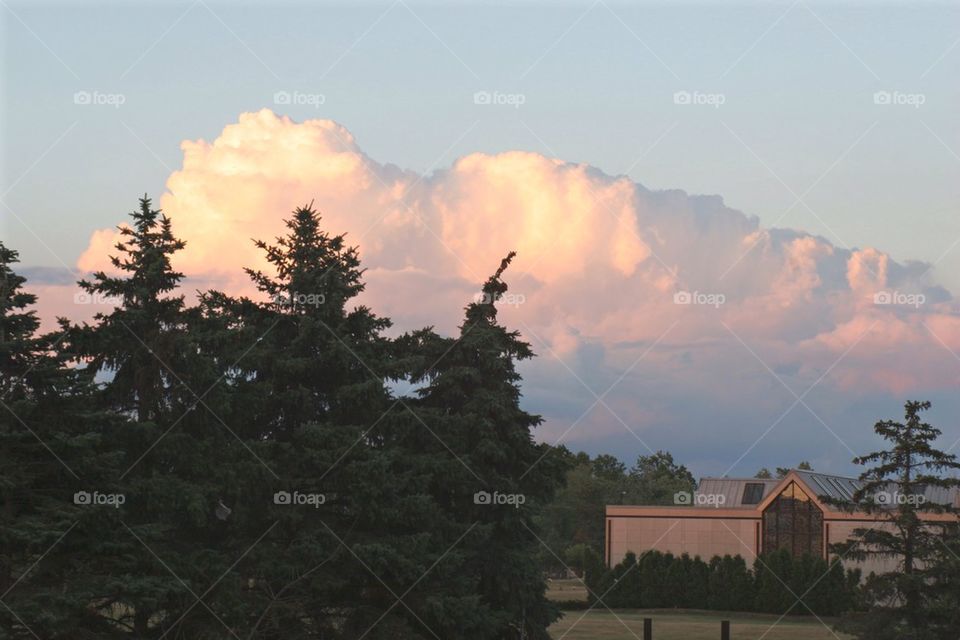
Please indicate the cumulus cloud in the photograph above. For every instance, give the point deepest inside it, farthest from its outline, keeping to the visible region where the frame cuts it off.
(675, 298)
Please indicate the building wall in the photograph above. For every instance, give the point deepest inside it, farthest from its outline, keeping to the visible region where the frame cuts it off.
(843, 530)
(698, 536)
(701, 533)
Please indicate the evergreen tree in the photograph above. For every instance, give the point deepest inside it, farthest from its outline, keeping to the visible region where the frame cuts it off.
(165, 544)
(50, 446)
(730, 584)
(140, 341)
(697, 593)
(676, 580)
(309, 389)
(653, 570)
(495, 475)
(944, 586)
(625, 591)
(892, 489)
(773, 573)
(597, 580)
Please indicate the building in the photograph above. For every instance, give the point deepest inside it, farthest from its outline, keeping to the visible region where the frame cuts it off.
(750, 516)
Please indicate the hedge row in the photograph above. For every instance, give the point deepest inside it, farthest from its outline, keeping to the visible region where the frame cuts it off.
(778, 583)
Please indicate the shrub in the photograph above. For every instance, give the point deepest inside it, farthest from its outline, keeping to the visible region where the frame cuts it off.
(658, 580)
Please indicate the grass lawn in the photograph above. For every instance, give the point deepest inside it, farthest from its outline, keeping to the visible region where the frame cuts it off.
(568, 589)
(687, 625)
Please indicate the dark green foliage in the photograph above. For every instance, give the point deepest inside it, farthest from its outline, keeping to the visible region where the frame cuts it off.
(697, 589)
(471, 405)
(656, 478)
(576, 515)
(625, 588)
(804, 585)
(658, 580)
(803, 466)
(676, 580)
(172, 458)
(653, 568)
(198, 415)
(307, 378)
(580, 557)
(773, 574)
(908, 602)
(47, 442)
(596, 577)
(731, 586)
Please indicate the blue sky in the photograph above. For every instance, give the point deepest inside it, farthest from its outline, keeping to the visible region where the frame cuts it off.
(598, 81)
(799, 140)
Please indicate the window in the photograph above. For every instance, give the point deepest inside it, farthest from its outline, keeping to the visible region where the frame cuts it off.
(752, 493)
(793, 522)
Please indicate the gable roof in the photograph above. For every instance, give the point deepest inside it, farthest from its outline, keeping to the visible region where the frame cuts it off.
(842, 488)
(728, 493)
(732, 490)
(834, 487)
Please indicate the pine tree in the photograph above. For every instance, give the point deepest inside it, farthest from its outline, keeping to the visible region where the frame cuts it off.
(892, 489)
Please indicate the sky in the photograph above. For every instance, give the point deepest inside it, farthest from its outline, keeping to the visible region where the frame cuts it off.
(737, 223)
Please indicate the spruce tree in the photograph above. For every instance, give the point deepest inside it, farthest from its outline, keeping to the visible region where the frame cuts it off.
(903, 602)
(310, 392)
(164, 546)
(50, 448)
(494, 475)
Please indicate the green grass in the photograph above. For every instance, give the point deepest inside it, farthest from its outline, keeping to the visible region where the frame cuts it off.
(688, 625)
(566, 589)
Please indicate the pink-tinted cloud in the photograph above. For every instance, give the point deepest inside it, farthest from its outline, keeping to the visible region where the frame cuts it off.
(607, 270)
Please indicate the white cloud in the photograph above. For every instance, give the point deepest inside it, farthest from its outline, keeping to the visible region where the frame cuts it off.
(599, 261)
